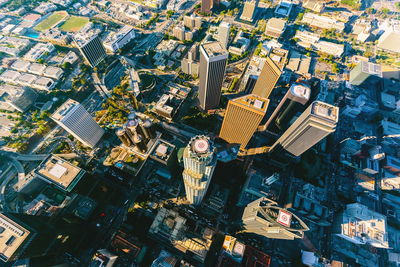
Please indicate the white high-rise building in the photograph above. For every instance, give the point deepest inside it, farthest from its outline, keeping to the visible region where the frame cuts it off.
(199, 161)
(75, 119)
(223, 33)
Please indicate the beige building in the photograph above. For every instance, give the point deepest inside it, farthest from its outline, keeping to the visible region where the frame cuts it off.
(275, 27)
(249, 9)
(314, 124)
(242, 118)
(270, 73)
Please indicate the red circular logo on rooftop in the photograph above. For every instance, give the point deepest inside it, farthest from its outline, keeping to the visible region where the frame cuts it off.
(201, 146)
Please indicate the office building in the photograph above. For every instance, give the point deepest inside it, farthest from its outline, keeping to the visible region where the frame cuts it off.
(284, 8)
(293, 101)
(27, 236)
(390, 39)
(223, 33)
(192, 21)
(169, 226)
(270, 72)
(103, 258)
(92, 49)
(179, 32)
(264, 217)
(199, 162)
(213, 60)
(357, 231)
(365, 74)
(275, 27)
(314, 5)
(249, 9)
(314, 124)
(120, 39)
(322, 22)
(242, 118)
(75, 119)
(206, 6)
(59, 172)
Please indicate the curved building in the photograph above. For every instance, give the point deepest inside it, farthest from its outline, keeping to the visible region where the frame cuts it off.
(199, 161)
(264, 217)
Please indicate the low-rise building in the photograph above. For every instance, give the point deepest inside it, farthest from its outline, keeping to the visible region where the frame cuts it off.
(38, 51)
(322, 22)
(118, 40)
(390, 39)
(314, 5)
(284, 8)
(59, 172)
(275, 27)
(171, 227)
(330, 48)
(16, 98)
(356, 230)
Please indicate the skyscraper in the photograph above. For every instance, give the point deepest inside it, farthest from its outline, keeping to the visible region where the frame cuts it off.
(249, 10)
(213, 59)
(366, 74)
(75, 119)
(206, 6)
(199, 161)
(242, 118)
(28, 236)
(264, 217)
(314, 124)
(270, 73)
(91, 48)
(223, 33)
(297, 95)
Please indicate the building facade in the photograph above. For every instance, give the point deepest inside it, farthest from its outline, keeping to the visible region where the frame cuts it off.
(264, 217)
(223, 33)
(314, 124)
(242, 118)
(199, 162)
(249, 9)
(213, 60)
(75, 119)
(268, 78)
(92, 50)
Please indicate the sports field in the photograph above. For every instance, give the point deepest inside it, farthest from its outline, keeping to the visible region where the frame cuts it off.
(74, 24)
(51, 21)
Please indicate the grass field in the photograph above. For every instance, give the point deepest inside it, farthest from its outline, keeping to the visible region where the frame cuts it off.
(51, 21)
(74, 24)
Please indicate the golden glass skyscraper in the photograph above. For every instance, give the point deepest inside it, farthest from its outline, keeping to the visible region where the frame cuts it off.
(242, 118)
(270, 72)
(314, 124)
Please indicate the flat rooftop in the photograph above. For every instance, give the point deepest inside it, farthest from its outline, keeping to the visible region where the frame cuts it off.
(64, 109)
(59, 172)
(214, 49)
(325, 111)
(12, 237)
(253, 102)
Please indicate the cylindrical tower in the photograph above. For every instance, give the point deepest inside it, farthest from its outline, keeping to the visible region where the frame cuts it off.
(199, 161)
(123, 136)
(148, 129)
(139, 142)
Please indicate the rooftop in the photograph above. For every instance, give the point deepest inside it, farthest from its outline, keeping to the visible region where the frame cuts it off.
(361, 225)
(254, 102)
(325, 111)
(59, 172)
(214, 49)
(12, 237)
(276, 24)
(64, 109)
